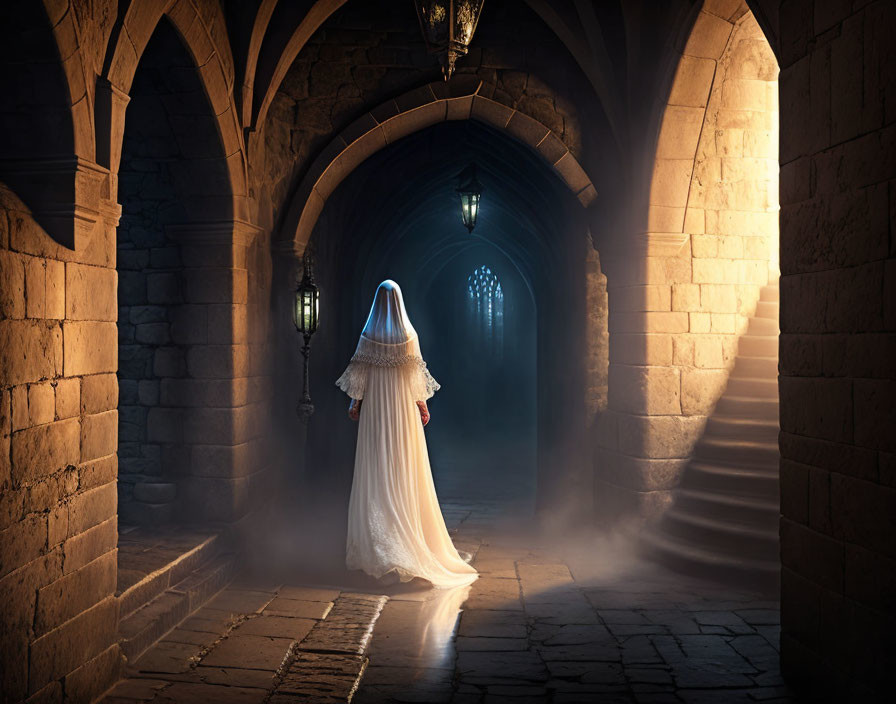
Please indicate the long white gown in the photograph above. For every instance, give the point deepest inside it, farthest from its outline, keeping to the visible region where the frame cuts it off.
(394, 521)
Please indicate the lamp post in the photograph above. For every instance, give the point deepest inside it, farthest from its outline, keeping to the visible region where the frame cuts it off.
(470, 191)
(448, 27)
(305, 317)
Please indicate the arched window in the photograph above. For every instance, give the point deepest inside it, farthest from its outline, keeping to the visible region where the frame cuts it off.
(485, 299)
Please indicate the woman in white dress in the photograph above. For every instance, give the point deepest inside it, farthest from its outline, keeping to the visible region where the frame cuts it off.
(395, 525)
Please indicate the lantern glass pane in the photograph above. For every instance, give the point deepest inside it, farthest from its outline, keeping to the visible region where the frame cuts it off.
(468, 202)
(306, 311)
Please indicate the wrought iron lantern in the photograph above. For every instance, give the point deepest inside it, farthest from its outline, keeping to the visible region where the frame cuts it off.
(470, 191)
(448, 27)
(305, 316)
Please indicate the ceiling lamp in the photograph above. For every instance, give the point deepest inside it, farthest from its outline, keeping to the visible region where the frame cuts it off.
(448, 27)
(470, 191)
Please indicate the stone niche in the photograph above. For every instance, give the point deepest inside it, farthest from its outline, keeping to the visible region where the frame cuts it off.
(183, 288)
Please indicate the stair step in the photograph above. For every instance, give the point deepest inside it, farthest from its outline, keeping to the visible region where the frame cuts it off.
(752, 387)
(755, 367)
(139, 630)
(747, 407)
(751, 345)
(733, 507)
(763, 326)
(768, 309)
(692, 560)
(745, 481)
(751, 429)
(738, 452)
(725, 536)
(725, 519)
(770, 293)
(171, 573)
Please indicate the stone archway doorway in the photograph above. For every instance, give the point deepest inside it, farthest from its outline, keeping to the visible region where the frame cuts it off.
(551, 247)
(693, 385)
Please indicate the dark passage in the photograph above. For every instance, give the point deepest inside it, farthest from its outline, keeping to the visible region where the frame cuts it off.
(491, 420)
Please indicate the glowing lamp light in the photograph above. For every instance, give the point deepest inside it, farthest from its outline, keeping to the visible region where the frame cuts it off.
(448, 27)
(470, 191)
(307, 304)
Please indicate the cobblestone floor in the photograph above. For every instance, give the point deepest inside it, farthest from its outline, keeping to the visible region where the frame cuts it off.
(256, 642)
(577, 622)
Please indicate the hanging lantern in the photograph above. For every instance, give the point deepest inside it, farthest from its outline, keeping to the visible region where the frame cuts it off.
(470, 191)
(305, 317)
(307, 303)
(448, 27)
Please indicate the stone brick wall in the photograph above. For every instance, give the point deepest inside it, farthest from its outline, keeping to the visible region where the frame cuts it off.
(150, 308)
(196, 380)
(838, 360)
(58, 423)
(59, 353)
(218, 409)
(684, 293)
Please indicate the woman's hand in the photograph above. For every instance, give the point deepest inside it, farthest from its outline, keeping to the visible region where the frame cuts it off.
(424, 412)
(354, 409)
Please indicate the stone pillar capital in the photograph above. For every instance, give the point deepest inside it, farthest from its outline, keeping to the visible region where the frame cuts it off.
(110, 105)
(64, 194)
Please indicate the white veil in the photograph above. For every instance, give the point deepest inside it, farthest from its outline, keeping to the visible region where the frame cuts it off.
(388, 321)
(388, 340)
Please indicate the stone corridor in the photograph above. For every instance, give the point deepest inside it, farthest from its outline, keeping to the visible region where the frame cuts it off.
(172, 173)
(574, 623)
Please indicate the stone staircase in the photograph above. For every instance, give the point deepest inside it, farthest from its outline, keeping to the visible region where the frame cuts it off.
(724, 523)
(180, 576)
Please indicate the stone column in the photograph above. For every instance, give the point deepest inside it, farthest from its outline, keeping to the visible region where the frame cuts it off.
(58, 464)
(211, 414)
(643, 440)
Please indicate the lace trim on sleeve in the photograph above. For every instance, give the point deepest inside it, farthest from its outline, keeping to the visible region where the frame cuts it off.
(424, 386)
(369, 352)
(353, 380)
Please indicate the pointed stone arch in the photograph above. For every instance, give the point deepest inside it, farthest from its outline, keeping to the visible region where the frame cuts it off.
(204, 37)
(48, 147)
(430, 104)
(183, 251)
(684, 289)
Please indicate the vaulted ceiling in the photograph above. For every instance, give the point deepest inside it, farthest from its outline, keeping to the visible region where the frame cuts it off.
(619, 45)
